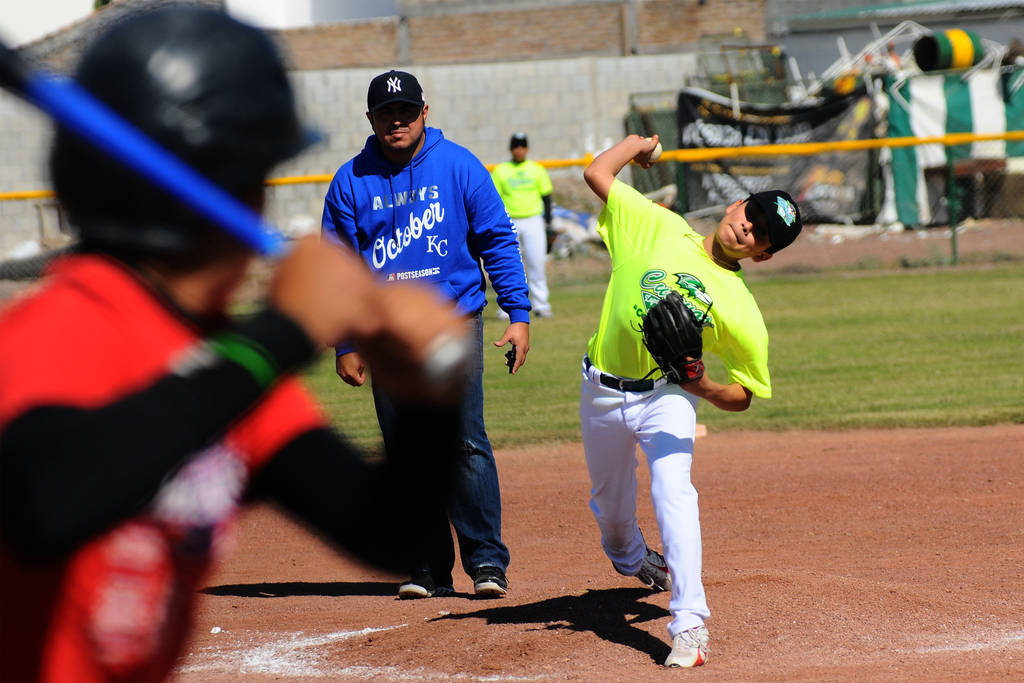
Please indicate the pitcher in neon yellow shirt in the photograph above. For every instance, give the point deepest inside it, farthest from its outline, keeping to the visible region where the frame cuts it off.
(624, 400)
(525, 188)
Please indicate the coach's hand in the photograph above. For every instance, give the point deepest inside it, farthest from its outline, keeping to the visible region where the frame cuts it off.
(519, 335)
(351, 368)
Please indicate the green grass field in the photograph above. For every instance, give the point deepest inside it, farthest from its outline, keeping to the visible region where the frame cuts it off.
(849, 350)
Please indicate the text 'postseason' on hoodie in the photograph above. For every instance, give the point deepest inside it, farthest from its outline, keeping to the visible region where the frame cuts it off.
(434, 220)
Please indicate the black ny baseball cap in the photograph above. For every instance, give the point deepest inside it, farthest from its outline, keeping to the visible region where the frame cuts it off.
(779, 216)
(518, 140)
(393, 86)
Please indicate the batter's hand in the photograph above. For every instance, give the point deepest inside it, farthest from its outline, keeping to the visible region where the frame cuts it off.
(351, 369)
(306, 286)
(519, 335)
(420, 345)
(414, 343)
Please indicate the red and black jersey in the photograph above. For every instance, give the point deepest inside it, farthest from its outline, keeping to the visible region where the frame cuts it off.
(117, 607)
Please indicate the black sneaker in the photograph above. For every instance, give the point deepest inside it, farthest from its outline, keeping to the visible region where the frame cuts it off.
(654, 572)
(490, 582)
(422, 585)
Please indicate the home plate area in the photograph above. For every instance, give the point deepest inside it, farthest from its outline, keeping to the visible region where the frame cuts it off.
(864, 555)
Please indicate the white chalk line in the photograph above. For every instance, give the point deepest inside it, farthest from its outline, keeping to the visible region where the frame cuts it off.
(295, 655)
(291, 654)
(989, 639)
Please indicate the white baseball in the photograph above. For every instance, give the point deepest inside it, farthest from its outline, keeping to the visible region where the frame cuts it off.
(655, 153)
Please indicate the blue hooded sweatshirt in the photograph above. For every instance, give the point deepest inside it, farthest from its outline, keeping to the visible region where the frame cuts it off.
(433, 220)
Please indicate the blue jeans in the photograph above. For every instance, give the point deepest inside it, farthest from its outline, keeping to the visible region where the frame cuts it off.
(475, 508)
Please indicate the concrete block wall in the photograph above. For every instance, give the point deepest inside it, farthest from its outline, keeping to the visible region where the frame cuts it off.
(568, 107)
(24, 145)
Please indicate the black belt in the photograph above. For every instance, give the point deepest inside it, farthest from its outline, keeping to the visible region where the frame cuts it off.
(620, 384)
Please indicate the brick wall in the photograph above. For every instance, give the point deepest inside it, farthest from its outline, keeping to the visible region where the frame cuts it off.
(671, 24)
(499, 31)
(463, 31)
(348, 44)
(468, 31)
(512, 35)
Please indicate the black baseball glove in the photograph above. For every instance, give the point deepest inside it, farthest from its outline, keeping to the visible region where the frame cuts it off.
(672, 335)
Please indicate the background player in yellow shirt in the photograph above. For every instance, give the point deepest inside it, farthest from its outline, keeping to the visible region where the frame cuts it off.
(525, 187)
(624, 400)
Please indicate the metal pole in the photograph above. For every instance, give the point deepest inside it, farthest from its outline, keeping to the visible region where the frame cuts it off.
(951, 206)
(681, 196)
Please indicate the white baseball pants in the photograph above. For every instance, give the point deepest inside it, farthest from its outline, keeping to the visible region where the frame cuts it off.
(662, 422)
(533, 245)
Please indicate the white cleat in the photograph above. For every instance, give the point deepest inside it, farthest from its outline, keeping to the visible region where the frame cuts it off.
(689, 648)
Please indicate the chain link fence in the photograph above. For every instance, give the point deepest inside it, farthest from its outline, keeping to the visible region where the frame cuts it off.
(977, 189)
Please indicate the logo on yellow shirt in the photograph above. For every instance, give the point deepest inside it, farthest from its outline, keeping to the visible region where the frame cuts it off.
(654, 287)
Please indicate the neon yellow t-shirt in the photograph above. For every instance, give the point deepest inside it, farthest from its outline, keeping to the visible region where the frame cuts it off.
(521, 187)
(654, 250)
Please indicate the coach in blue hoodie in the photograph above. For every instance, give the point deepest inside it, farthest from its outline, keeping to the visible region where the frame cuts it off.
(419, 207)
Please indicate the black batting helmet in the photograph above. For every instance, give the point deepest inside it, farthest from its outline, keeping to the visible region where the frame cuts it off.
(209, 89)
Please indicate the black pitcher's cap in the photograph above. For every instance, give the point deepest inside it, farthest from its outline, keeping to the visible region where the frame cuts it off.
(518, 140)
(393, 86)
(782, 217)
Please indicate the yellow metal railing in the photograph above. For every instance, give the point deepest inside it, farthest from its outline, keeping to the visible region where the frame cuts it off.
(684, 155)
(26, 194)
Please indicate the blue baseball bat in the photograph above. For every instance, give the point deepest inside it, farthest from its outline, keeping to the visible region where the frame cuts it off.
(76, 110)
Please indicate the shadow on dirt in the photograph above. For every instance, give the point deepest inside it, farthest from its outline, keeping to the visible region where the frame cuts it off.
(292, 589)
(610, 614)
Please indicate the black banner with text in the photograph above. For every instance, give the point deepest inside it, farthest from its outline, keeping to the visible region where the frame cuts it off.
(834, 187)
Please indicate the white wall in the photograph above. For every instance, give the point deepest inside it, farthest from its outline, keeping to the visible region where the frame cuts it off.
(278, 14)
(22, 21)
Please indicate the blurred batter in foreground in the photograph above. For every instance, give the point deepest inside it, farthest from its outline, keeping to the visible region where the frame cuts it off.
(136, 416)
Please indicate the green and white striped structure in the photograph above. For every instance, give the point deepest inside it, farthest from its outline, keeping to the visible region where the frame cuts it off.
(937, 104)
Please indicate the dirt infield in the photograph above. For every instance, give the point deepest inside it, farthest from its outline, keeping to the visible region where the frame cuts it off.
(866, 555)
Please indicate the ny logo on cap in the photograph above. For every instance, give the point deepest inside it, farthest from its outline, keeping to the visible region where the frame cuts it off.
(785, 210)
(394, 84)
